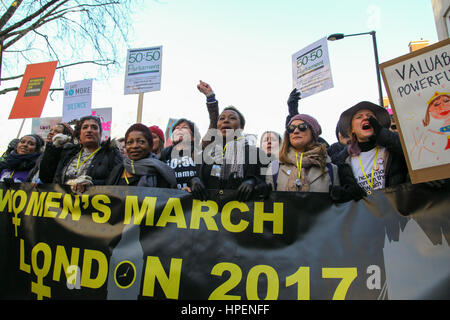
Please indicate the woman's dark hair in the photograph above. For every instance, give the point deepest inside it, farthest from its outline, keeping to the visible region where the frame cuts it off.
(80, 122)
(195, 133)
(67, 129)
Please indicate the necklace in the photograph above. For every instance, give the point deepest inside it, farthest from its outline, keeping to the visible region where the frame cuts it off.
(299, 169)
(373, 170)
(79, 157)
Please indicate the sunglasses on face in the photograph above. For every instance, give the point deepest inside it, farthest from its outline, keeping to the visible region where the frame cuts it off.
(302, 127)
(393, 127)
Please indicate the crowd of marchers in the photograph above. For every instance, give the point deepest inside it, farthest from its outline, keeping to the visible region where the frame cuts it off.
(367, 155)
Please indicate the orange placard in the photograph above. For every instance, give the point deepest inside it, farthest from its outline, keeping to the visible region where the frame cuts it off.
(33, 90)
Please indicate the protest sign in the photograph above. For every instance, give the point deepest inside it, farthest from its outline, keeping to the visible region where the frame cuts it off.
(33, 90)
(143, 70)
(311, 69)
(119, 242)
(168, 132)
(77, 101)
(41, 126)
(105, 115)
(418, 85)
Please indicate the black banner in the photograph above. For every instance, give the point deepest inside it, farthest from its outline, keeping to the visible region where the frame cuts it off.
(146, 243)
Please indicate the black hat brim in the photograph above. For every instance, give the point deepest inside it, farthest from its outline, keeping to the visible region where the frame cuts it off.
(345, 120)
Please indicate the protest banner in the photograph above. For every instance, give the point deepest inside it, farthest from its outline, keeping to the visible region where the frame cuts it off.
(118, 242)
(41, 126)
(105, 115)
(311, 71)
(77, 101)
(143, 70)
(33, 90)
(418, 86)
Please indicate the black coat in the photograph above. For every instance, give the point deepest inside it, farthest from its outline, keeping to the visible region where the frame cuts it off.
(251, 170)
(116, 175)
(55, 161)
(396, 170)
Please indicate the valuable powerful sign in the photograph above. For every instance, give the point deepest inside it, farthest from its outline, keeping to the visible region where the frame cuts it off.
(418, 85)
(145, 243)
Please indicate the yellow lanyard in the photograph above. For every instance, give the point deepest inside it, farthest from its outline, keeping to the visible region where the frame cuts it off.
(299, 166)
(125, 172)
(373, 168)
(224, 148)
(12, 174)
(79, 157)
(125, 176)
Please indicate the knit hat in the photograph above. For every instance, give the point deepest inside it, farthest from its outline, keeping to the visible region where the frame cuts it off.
(312, 122)
(156, 130)
(141, 128)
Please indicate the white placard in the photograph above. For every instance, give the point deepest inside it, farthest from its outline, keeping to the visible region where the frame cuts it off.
(311, 69)
(419, 87)
(77, 101)
(143, 70)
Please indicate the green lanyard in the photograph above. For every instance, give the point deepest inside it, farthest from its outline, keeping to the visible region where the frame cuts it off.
(79, 157)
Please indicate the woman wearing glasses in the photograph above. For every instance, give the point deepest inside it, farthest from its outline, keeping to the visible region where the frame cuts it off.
(304, 164)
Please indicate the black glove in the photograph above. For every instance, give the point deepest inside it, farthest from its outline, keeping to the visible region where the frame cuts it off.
(292, 102)
(375, 125)
(263, 190)
(346, 193)
(245, 190)
(198, 189)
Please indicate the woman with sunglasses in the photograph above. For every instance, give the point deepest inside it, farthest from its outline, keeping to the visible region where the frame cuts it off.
(304, 164)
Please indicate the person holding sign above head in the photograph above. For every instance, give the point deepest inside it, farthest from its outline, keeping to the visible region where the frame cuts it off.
(19, 163)
(87, 162)
(304, 164)
(141, 167)
(374, 158)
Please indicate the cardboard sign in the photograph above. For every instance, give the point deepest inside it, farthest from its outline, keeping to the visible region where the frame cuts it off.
(77, 100)
(41, 126)
(143, 70)
(33, 90)
(418, 85)
(311, 71)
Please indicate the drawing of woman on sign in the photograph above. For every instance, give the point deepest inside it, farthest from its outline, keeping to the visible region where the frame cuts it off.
(434, 138)
(439, 108)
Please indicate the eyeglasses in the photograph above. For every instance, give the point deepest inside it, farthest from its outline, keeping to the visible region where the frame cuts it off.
(393, 127)
(302, 127)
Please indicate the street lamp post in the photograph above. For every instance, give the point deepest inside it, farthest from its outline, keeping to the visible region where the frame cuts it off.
(339, 36)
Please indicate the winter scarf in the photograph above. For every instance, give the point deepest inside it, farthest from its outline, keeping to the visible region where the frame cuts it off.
(233, 159)
(21, 162)
(147, 168)
(316, 157)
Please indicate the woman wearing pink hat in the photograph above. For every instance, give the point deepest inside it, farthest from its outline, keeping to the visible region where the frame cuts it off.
(304, 164)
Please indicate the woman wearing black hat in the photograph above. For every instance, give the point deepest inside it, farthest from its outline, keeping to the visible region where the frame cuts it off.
(88, 162)
(141, 167)
(22, 160)
(374, 158)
